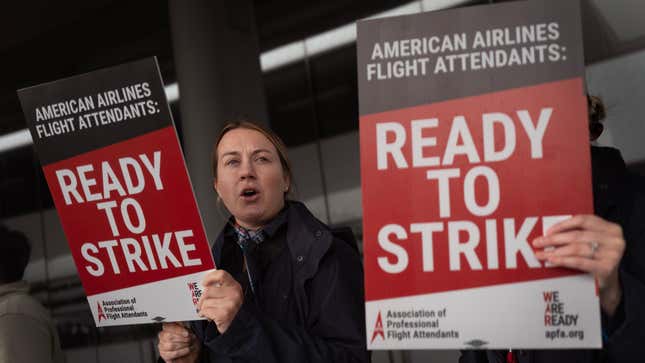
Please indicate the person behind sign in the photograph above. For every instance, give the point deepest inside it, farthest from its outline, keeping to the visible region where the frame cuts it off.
(611, 246)
(27, 333)
(287, 288)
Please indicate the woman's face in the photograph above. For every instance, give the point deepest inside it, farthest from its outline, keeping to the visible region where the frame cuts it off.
(250, 179)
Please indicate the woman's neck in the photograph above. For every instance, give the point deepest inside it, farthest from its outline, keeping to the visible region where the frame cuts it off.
(248, 226)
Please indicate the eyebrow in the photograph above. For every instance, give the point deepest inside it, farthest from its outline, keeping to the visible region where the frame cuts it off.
(237, 153)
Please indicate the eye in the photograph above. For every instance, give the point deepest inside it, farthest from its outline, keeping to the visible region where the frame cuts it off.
(263, 159)
(231, 162)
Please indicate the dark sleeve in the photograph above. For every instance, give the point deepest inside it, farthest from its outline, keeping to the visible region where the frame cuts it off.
(334, 330)
(627, 328)
(625, 331)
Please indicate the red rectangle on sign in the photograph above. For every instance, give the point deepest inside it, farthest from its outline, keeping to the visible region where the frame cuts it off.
(129, 213)
(454, 192)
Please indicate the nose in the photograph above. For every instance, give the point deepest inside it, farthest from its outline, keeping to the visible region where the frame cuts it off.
(247, 171)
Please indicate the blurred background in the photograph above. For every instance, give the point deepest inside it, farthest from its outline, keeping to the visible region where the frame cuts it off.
(289, 63)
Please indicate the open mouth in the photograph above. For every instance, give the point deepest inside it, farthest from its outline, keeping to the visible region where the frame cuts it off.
(249, 193)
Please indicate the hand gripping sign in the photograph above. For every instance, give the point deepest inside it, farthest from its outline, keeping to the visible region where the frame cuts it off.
(474, 141)
(114, 168)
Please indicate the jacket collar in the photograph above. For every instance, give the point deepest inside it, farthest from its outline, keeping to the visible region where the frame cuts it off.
(308, 239)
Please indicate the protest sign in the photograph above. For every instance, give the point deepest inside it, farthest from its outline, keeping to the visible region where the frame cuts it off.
(474, 141)
(111, 158)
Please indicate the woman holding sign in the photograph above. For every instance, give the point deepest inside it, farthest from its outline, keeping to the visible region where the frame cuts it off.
(609, 245)
(287, 288)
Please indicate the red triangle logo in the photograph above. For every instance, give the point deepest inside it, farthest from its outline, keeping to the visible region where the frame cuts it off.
(101, 314)
(378, 328)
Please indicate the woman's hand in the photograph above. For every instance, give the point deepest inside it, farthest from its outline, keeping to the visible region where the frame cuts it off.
(177, 344)
(221, 299)
(591, 244)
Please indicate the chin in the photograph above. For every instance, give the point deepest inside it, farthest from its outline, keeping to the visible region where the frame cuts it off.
(251, 217)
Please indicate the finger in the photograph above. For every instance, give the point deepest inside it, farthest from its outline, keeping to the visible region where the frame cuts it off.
(574, 262)
(569, 237)
(570, 250)
(212, 293)
(209, 313)
(168, 346)
(218, 314)
(216, 277)
(211, 309)
(176, 328)
(174, 325)
(228, 292)
(174, 354)
(578, 237)
(230, 299)
(217, 292)
(173, 338)
(583, 221)
(169, 337)
(225, 304)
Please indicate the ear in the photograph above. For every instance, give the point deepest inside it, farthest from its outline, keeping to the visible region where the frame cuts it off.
(287, 183)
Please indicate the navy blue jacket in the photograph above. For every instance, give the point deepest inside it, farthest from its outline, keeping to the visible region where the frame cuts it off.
(328, 322)
(618, 197)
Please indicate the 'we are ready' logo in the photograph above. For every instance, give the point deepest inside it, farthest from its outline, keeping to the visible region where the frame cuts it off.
(195, 293)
